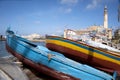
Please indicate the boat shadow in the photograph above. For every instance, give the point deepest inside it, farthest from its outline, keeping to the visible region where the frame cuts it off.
(35, 75)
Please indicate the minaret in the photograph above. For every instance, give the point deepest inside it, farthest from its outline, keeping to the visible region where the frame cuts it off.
(105, 18)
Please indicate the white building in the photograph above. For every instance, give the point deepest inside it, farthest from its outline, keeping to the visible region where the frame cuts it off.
(32, 36)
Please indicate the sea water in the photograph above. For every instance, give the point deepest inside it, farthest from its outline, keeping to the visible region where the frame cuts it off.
(3, 51)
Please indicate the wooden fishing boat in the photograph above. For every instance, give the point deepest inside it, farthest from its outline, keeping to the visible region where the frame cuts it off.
(51, 63)
(97, 57)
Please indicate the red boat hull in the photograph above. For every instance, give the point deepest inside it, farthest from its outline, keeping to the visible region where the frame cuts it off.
(81, 57)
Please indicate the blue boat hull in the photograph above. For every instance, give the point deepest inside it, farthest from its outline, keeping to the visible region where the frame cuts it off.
(41, 68)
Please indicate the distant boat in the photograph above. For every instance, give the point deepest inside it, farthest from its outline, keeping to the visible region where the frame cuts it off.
(51, 63)
(97, 57)
(2, 38)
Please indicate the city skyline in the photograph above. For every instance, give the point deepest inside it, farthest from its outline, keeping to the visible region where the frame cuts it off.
(53, 16)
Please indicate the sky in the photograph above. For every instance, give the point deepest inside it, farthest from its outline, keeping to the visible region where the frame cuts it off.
(54, 16)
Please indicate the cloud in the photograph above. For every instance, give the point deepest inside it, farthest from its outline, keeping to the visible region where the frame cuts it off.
(69, 2)
(93, 4)
(68, 10)
(67, 5)
(65, 10)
